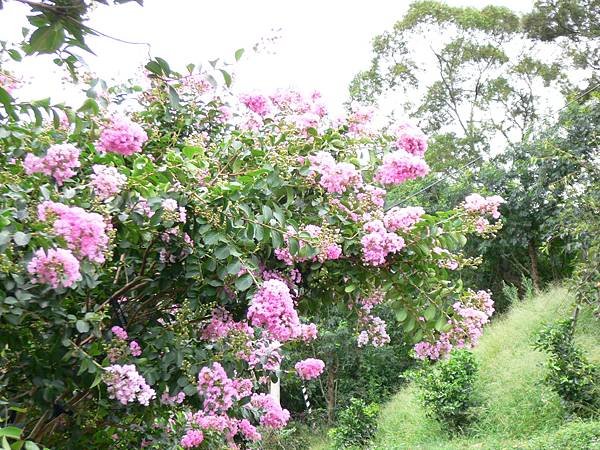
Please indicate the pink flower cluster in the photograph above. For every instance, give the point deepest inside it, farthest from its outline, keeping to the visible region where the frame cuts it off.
(249, 431)
(309, 368)
(377, 243)
(120, 333)
(475, 203)
(56, 267)
(371, 196)
(166, 399)
(272, 308)
(122, 136)
(192, 438)
(273, 415)
(472, 313)
(218, 390)
(328, 250)
(373, 328)
(59, 162)
(262, 353)
(126, 385)
(359, 119)
(403, 218)
(84, 232)
(258, 104)
(107, 181)
(173, 210)
(410, 139)
(399, 166)
(222, 325)
(8, 82)
(335, 177)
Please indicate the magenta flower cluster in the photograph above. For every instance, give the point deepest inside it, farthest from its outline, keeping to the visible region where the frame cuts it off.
(472, 312)
(273, 415)
(192, 438)
(57, 267)
(328, 249)
(377, 243)
(309, 368)
(217, 389)
(403, 218)
(106, 181)
(410, 139)
(476, 203)
(84, 232)
(335, 177)
(400, 166)
(272, 308)
(59, 162)
(122, 136)
(126, 385)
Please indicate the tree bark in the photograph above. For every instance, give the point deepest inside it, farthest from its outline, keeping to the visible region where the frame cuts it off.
(331, 393)
(535, 274)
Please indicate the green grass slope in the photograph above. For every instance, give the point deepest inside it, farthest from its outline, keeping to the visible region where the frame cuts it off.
(517, 408)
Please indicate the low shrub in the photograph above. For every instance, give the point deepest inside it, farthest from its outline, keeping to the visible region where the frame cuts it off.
(446, 390)
(574, 436)
(357, 425)
(568, 372)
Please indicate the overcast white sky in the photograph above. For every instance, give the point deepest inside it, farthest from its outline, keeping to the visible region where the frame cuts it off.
(323, 42)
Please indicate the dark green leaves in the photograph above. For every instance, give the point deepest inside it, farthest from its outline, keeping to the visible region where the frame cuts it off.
(46, 39)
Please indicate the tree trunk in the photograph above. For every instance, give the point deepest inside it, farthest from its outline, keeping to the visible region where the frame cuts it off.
(331, 393)
(535, 274)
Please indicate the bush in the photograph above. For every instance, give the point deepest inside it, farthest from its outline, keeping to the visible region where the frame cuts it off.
(574, 436)
(569, 373)
(446, 390)
(357, 425)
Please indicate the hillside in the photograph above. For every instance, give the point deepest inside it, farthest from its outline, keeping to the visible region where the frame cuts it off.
(517, 409)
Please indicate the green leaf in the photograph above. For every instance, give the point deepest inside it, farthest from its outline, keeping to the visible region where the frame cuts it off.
(239, 53)
(226, 77)
(46, 39)
(401, 315)
(11, 432)
(294, 245)
(5, 444)
(244, 282)
(21, 239)
(429, 313)
(15, 55)
(222, 252)
(350, 288)
(173, 97)
(31, 446)
(82, 326)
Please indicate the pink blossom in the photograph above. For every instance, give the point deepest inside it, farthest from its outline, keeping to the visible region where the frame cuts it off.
(126, 385)
(119, 332)
(378, 243)
(359, 119)
(107, 181)
(411, 139)
(249, 431)
(56, 267)
(272, 307)
(256, 103)
(59, 162)
(308, 332)
(335, 177)
(192, 438)
(309, 368)
(84, 232)
(219, 392)
(135, 349)
(122, 136)
(399, 166)
(273, 416)
(475, 203)
(403, 218)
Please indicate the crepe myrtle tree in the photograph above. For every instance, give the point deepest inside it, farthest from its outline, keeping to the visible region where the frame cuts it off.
(154, 266)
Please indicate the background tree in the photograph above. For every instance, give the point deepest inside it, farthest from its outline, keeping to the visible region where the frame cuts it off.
(482, 82)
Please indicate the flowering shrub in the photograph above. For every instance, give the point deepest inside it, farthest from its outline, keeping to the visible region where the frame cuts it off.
(151, 281)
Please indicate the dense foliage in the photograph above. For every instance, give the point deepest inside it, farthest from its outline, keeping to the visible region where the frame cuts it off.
(155, 267)
(569, 374)
(356, 425)
(447, 390)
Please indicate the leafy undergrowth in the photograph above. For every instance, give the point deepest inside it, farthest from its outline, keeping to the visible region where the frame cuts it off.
(518, 412)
